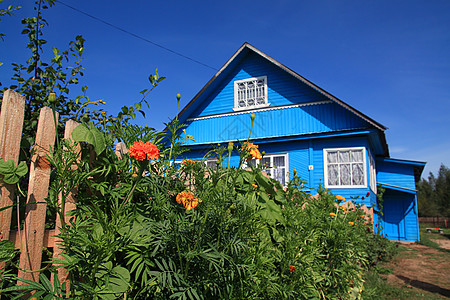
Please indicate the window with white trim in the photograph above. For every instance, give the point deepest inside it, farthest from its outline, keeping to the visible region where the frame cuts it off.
(345, 167)
(275, 165)
(250, 93)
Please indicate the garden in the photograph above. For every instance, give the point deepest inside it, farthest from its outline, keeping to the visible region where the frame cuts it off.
(147, 224)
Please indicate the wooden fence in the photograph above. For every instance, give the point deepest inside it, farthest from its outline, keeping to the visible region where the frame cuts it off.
(435, 221)
(33, 237)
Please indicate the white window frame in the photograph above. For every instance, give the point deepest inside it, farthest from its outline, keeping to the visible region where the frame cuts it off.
(211, 163)
(325, 167)
(249, 107)
(272, 167)
(372, 173)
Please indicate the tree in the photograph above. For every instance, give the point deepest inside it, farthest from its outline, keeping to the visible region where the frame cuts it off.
(434, 194)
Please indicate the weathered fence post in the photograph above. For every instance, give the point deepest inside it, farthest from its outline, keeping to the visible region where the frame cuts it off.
(69, 205)
(11, 123)
(33, 237)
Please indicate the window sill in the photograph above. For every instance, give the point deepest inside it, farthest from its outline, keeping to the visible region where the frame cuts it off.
(346, 186)
(251, 107)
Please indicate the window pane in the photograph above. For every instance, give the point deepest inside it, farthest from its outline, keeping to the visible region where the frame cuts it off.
(332, 157)
(265, 162)
(358, 174)
(345, 177)
(357, 156)
(279, 174)
(278, 161)
(252, 162)
(344, 156)
(211, 164)
(333, 175)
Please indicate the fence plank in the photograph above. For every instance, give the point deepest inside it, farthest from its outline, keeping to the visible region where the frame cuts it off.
(11, 123)
(69, 205)
(33, 237)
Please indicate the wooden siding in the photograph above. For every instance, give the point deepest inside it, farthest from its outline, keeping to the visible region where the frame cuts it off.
(283, 89)
(401, 175)
(400, 220)
(309, 119)
(302, 154)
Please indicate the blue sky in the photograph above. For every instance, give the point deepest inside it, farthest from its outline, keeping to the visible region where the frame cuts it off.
(388, 59)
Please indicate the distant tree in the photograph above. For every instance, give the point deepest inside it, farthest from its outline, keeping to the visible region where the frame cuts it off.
(434, 194)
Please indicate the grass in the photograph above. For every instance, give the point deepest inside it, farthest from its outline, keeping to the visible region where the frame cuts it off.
(377, 287)
(427, 238)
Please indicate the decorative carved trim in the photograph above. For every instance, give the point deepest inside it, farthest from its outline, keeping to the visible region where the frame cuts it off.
(259, 110)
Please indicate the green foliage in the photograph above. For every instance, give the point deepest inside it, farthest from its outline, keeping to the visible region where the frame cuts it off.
(133, 235)
(434, 194)
(248, 238)
(12, 173)
(91, 135)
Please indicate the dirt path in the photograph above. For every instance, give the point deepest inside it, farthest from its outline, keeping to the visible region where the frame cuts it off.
(422, 268)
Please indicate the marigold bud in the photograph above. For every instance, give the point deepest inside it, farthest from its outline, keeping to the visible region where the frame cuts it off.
(252, 116)
(178, 96)
(230, 146)
(52, 97)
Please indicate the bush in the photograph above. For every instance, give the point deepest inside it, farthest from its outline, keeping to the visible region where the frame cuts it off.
(150, 228)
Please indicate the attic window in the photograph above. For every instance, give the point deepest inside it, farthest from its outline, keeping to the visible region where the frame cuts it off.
(250, 93)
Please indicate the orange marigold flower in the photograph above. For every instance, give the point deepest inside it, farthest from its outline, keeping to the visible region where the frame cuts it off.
(341, 207)
(253, 150)
(254, 185)
(351, 223)
(188, 200)
(340, 198)
(333, 214)
(292, 268)
(187, 161)
(362, 216)
(143, 151)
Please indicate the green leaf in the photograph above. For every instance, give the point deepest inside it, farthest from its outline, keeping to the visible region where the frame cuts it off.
(119, 281)
(6, 166)
(11, 172)
(22, 169)
(90, 135)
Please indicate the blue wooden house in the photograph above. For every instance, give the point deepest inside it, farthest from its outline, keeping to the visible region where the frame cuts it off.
(299, 125)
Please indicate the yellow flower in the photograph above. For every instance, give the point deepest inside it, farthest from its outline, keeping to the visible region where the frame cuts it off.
(134, 175)
(254, 185)
(340, 198)
(351, 223)
(333, 214)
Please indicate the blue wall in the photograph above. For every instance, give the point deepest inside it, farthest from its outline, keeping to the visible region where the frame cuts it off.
(301, 154)
(283, 89)
(397, 174)
(274, 123)
(400, 220)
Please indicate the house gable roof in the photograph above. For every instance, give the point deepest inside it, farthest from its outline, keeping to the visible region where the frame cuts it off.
(236, 58)
(199, 107)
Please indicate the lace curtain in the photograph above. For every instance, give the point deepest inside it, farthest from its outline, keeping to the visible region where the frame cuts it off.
(345, 167)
